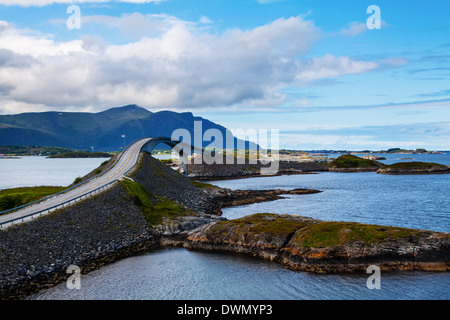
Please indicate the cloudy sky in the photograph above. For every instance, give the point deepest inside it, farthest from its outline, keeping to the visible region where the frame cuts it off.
(312, 69)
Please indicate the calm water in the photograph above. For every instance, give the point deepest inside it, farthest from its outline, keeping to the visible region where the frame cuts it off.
(413, 201)
(40, 171)
(174, 274)
(406, 201)
(393, 158)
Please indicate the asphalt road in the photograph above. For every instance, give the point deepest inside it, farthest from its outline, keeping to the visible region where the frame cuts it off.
(126, 161)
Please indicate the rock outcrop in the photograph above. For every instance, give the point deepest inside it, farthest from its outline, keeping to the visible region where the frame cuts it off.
(158, 206)
(403, 168)
(228, 198)
(35, 255)
(124, 220)
(306, 244)
(225, 170)
(351, 163)
(101, 229)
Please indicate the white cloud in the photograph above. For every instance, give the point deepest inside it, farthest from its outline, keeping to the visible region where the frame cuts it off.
(205, 20)
(432, 136)
(180, 66)
(329, 66)
(354, 29)
(3, 25)
(41, 3)
(135, 25)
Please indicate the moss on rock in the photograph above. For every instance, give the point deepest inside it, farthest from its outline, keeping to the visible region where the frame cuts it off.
(414, 167)
(348, 161)
(153, 207)
(326, 234)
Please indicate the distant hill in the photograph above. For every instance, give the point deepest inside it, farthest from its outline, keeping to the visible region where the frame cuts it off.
(103, 130)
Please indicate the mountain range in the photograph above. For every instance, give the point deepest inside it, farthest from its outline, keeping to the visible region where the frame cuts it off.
(103, 130)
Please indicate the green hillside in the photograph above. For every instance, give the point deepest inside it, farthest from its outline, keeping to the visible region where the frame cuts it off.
(103, 130)
(351, 161)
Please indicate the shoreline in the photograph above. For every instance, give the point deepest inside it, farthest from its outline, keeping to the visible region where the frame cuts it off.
(118, 230)
(177, 239)
(255, 175)
(295, 243)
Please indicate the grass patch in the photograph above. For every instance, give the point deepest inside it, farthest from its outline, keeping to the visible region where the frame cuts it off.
(82, 154)
(203, 185)
(158, 169)
(77, 180)
(260, 223)
(351, 161)
(16, 197)
(153, 207)
(166, 161)
(326, 234)
(306, 232)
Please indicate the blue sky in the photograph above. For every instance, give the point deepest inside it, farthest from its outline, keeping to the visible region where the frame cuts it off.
(310, 68)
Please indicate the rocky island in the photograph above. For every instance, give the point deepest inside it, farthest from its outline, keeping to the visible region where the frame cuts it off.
(402, 168)
(352, 163)
(82, 154)
(156, 206)
(305, 244)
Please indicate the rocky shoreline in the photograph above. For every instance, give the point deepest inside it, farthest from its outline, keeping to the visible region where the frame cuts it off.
(406, 168)
(346, 163)
(249, 170)
(305, 244)
(159, 207)
(110, 226)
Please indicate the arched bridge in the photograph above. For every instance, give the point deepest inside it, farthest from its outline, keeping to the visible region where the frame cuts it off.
(179, 146)
(123, 165)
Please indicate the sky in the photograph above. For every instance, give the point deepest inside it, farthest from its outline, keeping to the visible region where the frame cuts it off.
(316, 70)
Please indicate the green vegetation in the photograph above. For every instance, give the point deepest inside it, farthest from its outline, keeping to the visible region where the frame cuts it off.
(162, 151)
(293, 152)
(413, 165)
(203, 185)
(326, 234)
(399, 150)
(104, 163)
(153, 207)
(351, 161)
(166, 161)
(77, 180)
(306, 232)
(12, 198)
(82, 154)
(272, 224)
(158, 169)
(32, 150)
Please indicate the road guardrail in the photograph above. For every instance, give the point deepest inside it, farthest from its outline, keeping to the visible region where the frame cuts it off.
(65, 203)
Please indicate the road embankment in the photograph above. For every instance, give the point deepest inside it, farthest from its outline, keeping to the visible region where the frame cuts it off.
(158, 206)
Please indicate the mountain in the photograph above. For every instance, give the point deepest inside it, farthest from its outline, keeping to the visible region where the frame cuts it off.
(103, 130)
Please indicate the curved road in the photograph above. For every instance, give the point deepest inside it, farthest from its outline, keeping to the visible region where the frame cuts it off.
(126, 161)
